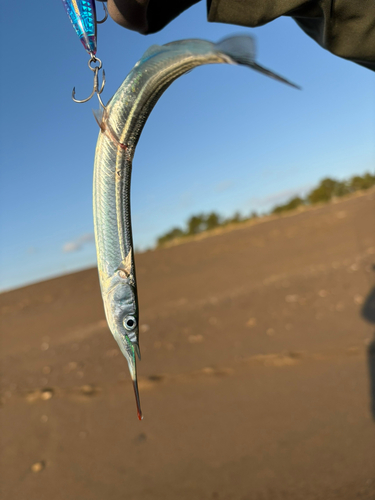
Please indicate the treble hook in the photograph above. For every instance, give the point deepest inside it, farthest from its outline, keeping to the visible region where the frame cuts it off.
(95, 90)
(105, 11)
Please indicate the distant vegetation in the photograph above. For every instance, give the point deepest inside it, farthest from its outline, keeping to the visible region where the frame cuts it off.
(326, 191)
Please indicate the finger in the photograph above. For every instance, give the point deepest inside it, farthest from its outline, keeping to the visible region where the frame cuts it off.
(131, 14)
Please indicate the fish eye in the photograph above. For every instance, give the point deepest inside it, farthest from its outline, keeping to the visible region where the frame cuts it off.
(130, 322)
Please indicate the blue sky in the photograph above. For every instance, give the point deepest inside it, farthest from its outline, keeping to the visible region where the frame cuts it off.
(221, 138)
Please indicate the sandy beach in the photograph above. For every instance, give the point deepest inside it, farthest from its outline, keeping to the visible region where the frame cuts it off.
(257, 377)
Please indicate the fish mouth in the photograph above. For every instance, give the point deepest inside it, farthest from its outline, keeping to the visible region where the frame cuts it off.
(133, 374)
(128, 350)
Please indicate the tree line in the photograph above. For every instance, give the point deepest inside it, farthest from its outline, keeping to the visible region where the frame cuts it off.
(323, 193)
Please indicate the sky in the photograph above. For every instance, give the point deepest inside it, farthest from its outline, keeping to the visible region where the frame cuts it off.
(222, 138)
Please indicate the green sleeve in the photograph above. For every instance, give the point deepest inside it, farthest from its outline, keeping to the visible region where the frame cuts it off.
(344, 27)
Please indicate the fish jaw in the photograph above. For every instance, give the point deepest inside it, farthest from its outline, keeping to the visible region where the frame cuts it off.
(127, 349)
(138, 402)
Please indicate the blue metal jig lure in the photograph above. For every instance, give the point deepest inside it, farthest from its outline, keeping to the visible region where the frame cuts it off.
(82, 14)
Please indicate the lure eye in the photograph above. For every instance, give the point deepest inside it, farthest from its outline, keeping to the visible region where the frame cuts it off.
(130, 323)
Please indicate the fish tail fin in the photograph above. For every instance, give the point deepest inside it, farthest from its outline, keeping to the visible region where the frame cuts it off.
(240, 49)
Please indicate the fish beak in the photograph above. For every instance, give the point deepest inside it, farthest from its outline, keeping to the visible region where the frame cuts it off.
(133, 374)
(128, 351)
(138, 402)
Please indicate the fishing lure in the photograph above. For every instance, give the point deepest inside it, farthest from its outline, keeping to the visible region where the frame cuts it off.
(121, 123)
(82, 14)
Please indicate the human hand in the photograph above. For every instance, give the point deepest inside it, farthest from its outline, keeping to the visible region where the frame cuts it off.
(131, 14)
(146, 16)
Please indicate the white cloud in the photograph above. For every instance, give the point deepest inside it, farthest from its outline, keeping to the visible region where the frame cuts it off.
(77, 244)
(278, 197)
(223, 186)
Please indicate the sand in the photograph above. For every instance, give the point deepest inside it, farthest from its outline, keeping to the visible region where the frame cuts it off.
(257, 377)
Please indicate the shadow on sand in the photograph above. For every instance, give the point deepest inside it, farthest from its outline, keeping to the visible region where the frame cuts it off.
(368, 312)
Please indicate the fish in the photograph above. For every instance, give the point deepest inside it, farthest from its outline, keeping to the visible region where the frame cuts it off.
(121, 123)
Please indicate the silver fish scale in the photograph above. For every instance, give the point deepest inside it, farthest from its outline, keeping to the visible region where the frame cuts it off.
(125, 116)
(105, 213)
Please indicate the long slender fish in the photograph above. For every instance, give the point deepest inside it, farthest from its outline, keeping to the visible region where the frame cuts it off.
(121, 124)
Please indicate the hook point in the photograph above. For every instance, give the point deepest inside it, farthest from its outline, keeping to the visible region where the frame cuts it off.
(96, 89)
(105, 12)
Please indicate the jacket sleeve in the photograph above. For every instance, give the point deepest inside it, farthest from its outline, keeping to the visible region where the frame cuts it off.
(344, 27)
(150, 16)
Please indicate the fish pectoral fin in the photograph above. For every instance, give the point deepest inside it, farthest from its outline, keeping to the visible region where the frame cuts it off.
(99, 115)
(125, 268)
(127, 263)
